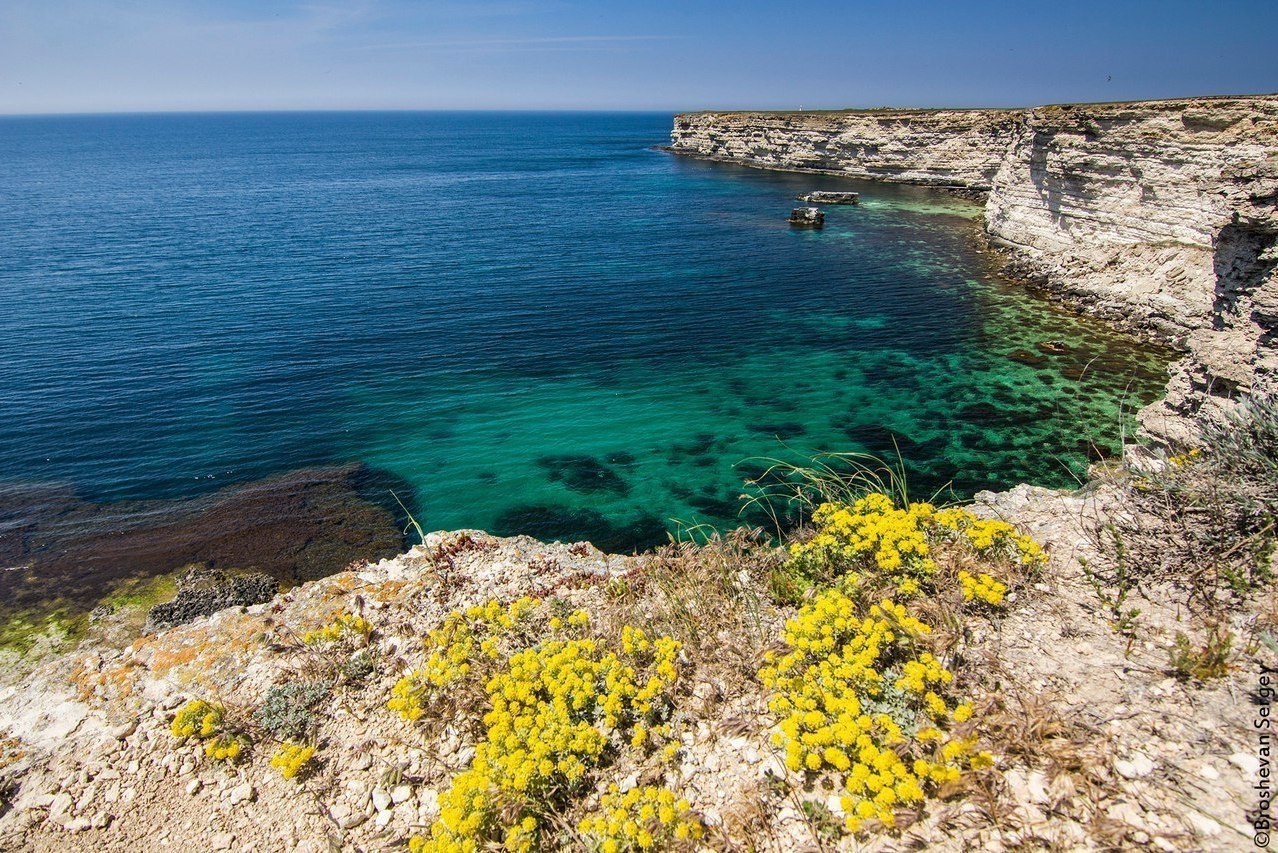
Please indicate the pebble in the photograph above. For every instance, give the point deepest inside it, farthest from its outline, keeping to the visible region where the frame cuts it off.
(363, 761)
(400, 793)
(222, 841)
(381, 799)
(1202, 824)
(123, 730)
(60, 805)
(193, 787)
(241, 794)
(1136, 767)
(1248, 764)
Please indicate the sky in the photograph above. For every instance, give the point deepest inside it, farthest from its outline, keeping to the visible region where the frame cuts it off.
(191, 55)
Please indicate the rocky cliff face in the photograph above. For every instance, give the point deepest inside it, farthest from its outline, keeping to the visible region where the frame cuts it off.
(1159, 216)
(953, 148)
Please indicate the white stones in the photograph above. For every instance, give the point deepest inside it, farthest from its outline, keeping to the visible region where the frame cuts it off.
(1137, 767)
(400, 793)
(1018, 786)
(1127, 813)
(381, 799)
(60, 806)
(222, 841)
(345, 817)
(362, 762)
(1247, 763)
(1205, 826)
(123, 730)
(243, 793)
(193, 787)
(63, 719)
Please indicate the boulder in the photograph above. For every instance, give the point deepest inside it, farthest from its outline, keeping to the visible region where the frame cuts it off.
(807, 217)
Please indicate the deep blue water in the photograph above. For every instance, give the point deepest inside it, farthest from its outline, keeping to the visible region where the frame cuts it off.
(536, 321)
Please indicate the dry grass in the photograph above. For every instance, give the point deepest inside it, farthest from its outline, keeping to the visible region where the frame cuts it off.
(1207, 520)
(710, 597)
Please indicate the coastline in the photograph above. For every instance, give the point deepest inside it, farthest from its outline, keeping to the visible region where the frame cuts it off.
(1155, 216)
(1107, 756)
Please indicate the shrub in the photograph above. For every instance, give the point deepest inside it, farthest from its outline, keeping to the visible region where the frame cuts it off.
(857, 694)
(552, 704)
(1207, 520)
(642, 818)
(207, 722)
(347, 626)
(1211, 660)
(286, 711)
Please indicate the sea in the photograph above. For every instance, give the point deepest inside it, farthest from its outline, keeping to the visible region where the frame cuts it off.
(267, 340)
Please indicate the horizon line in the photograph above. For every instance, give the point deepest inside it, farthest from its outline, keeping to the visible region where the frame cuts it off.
(653, 110)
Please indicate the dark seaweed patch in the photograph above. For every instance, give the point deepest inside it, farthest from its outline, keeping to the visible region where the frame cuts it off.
(701, 444)
(784, 430)
(570, 524)
(877, 440)
(715, 507)
(584, 474)
(622, 459)
(1024, 356)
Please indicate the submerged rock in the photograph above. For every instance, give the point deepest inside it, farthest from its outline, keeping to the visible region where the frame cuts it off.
(1024, 356)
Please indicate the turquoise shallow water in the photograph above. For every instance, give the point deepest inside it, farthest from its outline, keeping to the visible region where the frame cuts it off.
(537, 323)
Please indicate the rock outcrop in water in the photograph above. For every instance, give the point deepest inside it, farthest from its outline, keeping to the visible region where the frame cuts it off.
(807, 217)
(1159, 216)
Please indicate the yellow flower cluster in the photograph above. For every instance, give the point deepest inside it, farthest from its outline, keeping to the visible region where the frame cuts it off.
(1180, 460)
(207, 722)
(990, 536)
(874, 536)
(982, 587)
(227, 747)
(872, 533)
(846, 694)
(197, 719)
(293, 759)
(644, 818)
(345, 625)
(576, 619)
(552, 711)
(453, 648)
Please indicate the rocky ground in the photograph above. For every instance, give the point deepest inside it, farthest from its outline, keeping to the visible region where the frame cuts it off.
(1097, 745)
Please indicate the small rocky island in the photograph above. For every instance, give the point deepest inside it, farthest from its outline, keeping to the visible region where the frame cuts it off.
(807, 217)
(831, 197)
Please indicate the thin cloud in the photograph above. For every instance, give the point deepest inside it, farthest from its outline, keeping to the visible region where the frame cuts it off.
(546, 41)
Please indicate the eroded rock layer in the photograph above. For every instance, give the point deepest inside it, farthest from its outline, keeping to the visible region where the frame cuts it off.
(1159, 216)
